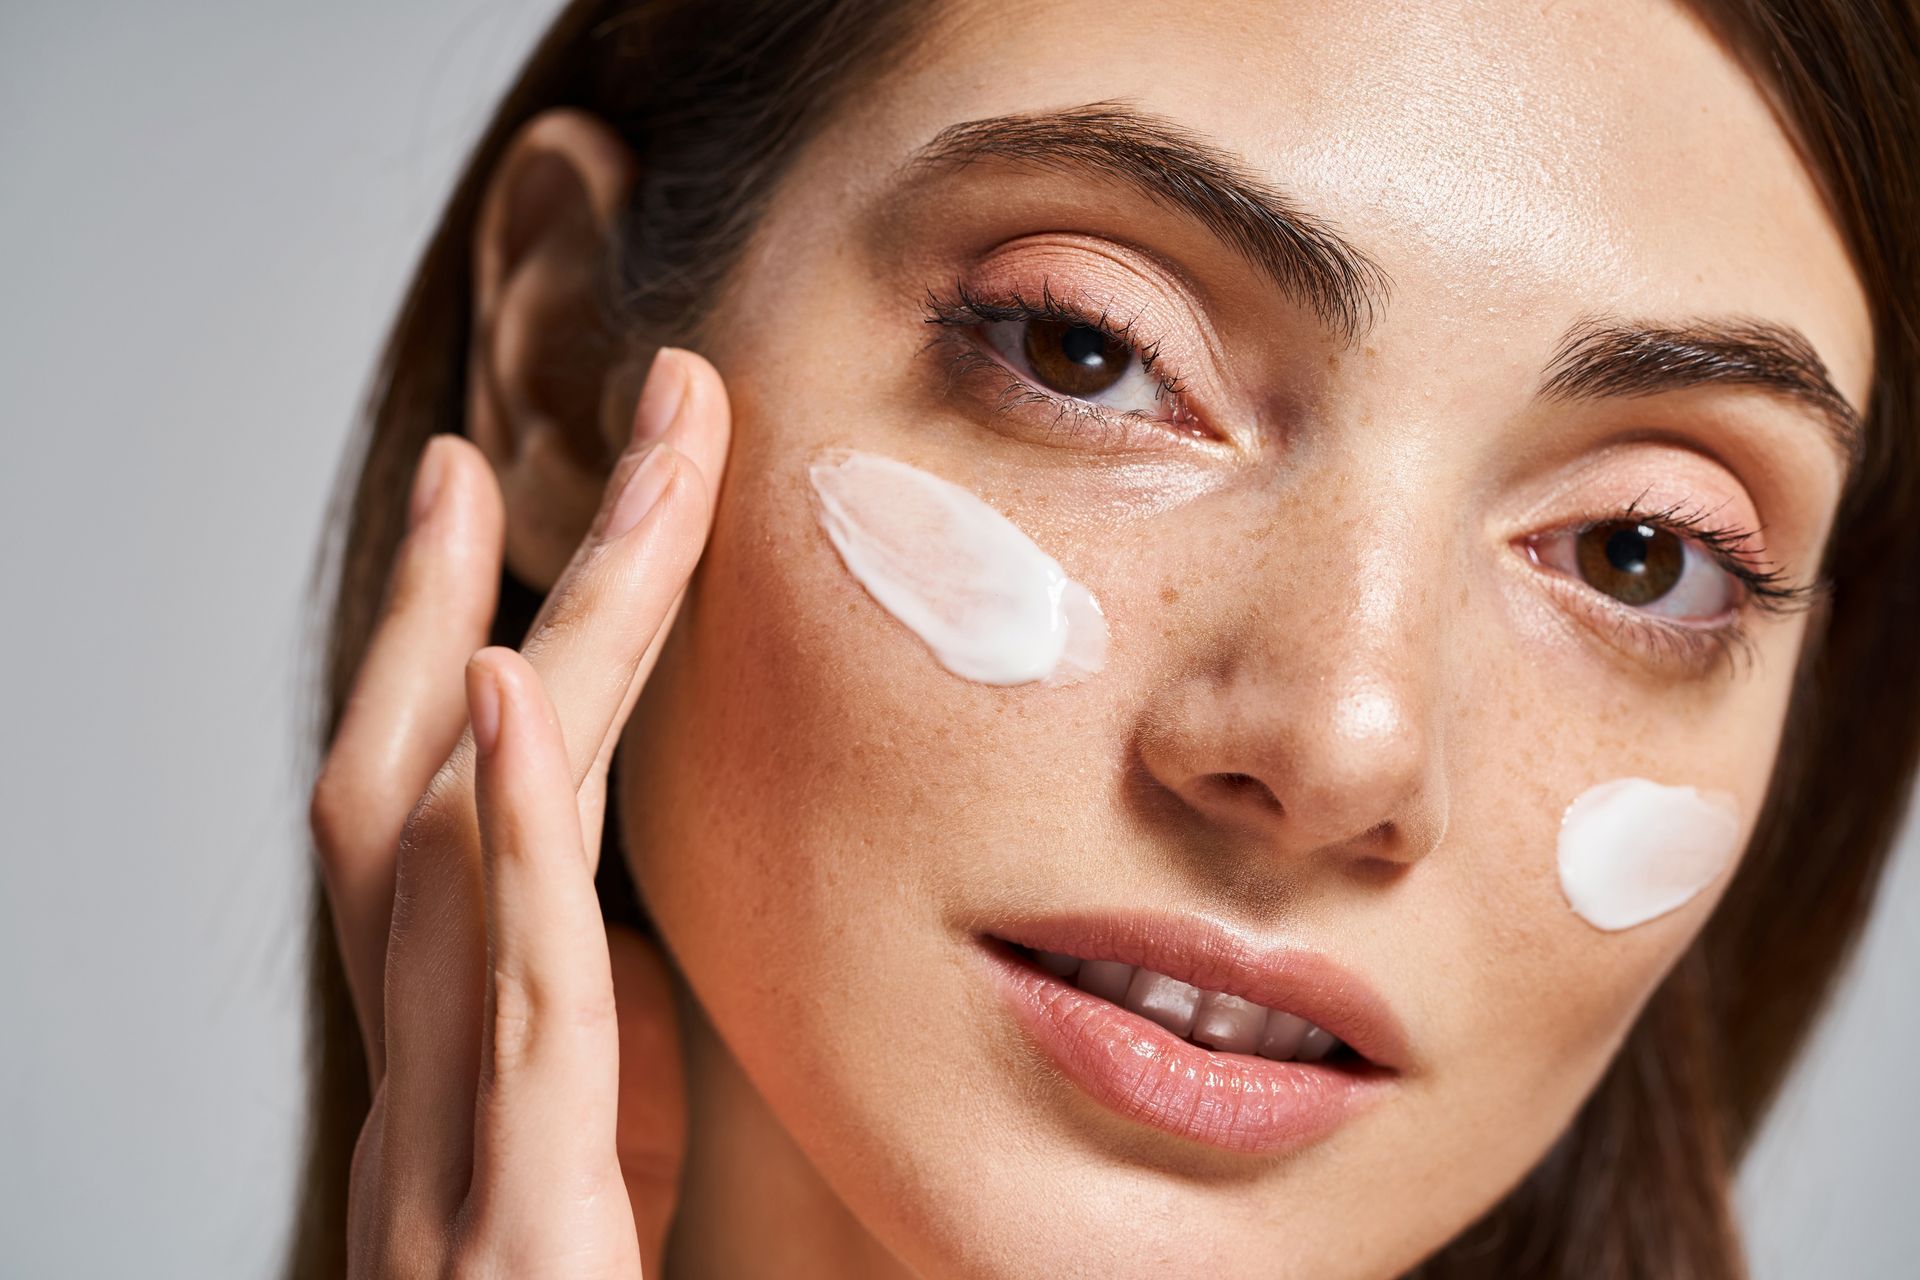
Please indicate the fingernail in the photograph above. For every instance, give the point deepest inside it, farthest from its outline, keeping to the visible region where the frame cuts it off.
(642, 490)
(661, 397)
(483, 706)
(428, 477)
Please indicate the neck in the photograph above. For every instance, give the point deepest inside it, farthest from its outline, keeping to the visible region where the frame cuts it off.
(751, 1204)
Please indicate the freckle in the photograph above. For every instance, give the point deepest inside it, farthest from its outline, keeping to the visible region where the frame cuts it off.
(1333, 363)
(1169, 595)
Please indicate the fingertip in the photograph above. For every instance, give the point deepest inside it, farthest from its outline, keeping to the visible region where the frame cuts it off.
(448, 565)
(705, 428)
(429, 478)
(525, 706)
(471, 484)
(484, 698)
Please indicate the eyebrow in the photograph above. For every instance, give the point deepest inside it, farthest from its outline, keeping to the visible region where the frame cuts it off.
(1173, 167)
(1604, 356)
(1347, 289)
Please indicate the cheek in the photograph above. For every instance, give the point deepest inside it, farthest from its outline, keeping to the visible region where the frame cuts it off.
(1630, 850)
(801, 752)
(1552, 995)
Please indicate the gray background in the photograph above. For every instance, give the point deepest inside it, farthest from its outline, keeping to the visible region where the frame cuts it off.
(207, 211)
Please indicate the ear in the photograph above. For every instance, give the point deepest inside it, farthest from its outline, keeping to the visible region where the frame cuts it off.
(550, 383)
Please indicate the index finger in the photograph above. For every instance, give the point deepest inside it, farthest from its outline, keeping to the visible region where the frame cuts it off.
(594, 641)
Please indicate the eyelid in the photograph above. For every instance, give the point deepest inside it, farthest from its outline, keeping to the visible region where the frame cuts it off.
(1018, 307)
(1093, 428)
(1097, 274)
(966, 309)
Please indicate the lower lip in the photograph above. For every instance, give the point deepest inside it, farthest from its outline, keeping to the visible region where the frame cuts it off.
(1144, 1072)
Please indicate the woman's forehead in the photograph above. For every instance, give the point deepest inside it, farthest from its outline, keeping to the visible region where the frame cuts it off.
(1495, 159)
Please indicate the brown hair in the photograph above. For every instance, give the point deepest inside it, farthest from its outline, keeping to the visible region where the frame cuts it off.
(715, 96)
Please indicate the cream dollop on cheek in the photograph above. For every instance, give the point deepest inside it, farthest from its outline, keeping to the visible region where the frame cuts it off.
(989, 604)
(1632, 849)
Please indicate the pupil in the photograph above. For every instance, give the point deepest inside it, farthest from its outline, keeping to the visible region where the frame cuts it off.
(1083, 346)
(1627, 549)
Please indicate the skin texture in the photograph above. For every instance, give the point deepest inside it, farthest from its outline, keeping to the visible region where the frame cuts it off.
(1326, 596)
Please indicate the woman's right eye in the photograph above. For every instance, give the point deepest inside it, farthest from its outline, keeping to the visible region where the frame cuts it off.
(1077, 361)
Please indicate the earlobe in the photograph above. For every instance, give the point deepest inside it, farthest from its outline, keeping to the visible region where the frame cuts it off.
(545, 374)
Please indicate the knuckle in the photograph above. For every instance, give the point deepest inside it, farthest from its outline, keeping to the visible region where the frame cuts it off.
(526, 1009)
(516, 1015)
(439, 818)
(330, 811)
(426, 826)
(563, 618)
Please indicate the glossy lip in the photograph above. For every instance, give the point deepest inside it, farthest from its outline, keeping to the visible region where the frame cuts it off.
(1145, 1073)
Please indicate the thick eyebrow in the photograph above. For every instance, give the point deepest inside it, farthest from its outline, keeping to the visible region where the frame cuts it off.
(1606, 356)
(1176, 168)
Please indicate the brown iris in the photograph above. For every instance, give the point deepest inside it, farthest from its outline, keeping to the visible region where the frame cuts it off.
(1632, 562)
(1075, 359)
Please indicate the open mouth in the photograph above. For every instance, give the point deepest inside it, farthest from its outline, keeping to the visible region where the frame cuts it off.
(1185, 1025)
(1211, 1019)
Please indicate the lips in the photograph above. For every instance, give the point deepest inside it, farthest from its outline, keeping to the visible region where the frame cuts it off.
(1214, 1019)
(1188, 1027)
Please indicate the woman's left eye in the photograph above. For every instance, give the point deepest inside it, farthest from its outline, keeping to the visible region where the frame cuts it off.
(1644, 566)
(1075, 360)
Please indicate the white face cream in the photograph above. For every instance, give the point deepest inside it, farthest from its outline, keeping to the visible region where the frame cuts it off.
(991, 605)
(1633, 849)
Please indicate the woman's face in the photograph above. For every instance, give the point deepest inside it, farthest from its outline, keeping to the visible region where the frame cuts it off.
(1343, 706)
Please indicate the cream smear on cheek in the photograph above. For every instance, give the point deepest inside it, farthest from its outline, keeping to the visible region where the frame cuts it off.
(988, 603)
(1633, 849)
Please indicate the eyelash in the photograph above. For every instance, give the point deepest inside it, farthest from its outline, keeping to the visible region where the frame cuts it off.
(1763, 588)
(961, 308)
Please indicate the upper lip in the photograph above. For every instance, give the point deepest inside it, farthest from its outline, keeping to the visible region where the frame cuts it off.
(1214, 957)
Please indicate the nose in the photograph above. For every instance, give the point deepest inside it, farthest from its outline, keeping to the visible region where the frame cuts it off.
(1312, 730)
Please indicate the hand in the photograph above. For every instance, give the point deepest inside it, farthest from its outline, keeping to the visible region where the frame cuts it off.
(528, 1113)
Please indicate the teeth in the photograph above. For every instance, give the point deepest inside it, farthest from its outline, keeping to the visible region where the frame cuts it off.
(1315, 1045)
(1227, 1024)
(1107, 979)
(1281, 1038)
(1058, 965)
(1168, 1001)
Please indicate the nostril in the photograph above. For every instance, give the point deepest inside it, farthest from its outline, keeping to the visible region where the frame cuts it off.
(1244, 788)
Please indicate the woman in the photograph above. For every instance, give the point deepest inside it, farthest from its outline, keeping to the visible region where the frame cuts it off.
(1301, 660)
